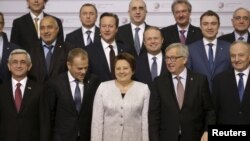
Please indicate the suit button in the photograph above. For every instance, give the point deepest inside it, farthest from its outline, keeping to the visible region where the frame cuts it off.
(121, 116)
(121, 107)
(240, 113)
(121, 124)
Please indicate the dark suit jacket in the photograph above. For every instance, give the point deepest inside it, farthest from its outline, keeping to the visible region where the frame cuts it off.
(25, 125)
(230, 37)
(125, 36)
(98, 64)
(65, 122)
(76, 37)
(198, 61)
(167, 121)
(58, 64)
(142, 71)
(228, 107)
(171, 35)
(24, 33)
(7, 48)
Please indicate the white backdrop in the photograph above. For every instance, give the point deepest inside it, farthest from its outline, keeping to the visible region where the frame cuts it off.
(159, 11)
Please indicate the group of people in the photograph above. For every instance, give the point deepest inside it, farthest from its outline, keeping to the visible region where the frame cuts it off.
(135, 82)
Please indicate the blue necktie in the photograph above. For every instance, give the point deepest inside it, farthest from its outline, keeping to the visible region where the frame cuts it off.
(137, 41)
(211, 57)
(89, 41)
(48, 56)
(241, 86)
(77, 97)
(154, 68)
(241, 38)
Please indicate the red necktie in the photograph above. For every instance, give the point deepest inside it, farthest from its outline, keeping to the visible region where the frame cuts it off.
(18, 96)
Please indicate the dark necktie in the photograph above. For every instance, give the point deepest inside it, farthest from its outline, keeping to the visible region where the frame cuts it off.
(211, 57)
(241, 38)
(241, 86)
(180, 91)
(48, 56)
(182, 36)
(77, 97)
(89, 41)
(154, 68)
(18, 96)
(137, 41)
(111, 58)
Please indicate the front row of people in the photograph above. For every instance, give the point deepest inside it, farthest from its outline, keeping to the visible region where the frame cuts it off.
(75, 106)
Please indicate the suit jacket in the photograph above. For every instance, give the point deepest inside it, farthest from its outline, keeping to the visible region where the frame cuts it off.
(7, 48)
(76, 37)
(230, 37)
(125, 36)
(226, 100)
(98, 64)
(143, 72)
(64, 121)
(167, 121)
(25, 125)
(58, 64)
(23, 32)
(120, 119)
(198, 61)
(171, 35)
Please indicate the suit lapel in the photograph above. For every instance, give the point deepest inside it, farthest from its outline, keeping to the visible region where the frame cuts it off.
(30, 23)
(203, 54)
(246, 96)
(220, 49)
(26, 95)
(190, 86)
(55, 57)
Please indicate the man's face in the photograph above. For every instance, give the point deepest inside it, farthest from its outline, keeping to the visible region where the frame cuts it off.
(209, 27)
(88, 16)
(36, 6)
(78, 68)
(108, 29)
(241, 21)
(137, 12)
(153, 41)
(181, 14)
(48, 30)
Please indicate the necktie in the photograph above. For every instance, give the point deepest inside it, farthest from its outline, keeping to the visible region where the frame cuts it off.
(111, 58)
(180, 92)
(154, 68)
(241, 86)
(36, 23)
(48, 56)
(182, 36)
(18, 96)
(77, 97)
(137, 41)
(241, 38)
(211, 57)
(89, 41)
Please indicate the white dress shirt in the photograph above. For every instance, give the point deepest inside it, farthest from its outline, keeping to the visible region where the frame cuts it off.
(214, 42)
(140, 33)
(85, 35)
(40, 17)
(1, 48)
(106, 49)
(245, 76)
(183, 76)
(237, 36)
(22, 87)
(73, 85)
(158, 61)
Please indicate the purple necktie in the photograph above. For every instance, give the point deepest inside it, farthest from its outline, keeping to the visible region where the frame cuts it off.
(182, 36)
(18, 96)
(180, 91)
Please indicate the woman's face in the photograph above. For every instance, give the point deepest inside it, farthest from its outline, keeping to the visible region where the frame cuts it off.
(123, 71)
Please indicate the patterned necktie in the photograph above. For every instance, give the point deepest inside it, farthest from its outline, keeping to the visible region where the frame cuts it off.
(89, 41)
(154, 68)
(241, 86)
(210, 57)
(111, 58)
(182, 36)
(241, 38)
(18, 96)
(77, 97)
(180, 91)
(48, 57)
(137, 41)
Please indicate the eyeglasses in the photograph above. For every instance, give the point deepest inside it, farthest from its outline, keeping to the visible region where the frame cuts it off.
(238, 18)
(172, 58)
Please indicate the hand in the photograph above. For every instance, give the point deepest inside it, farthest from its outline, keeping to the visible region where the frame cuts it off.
(204, 136)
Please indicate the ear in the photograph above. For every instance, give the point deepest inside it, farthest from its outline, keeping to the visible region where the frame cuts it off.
(68, 65)
(29, 67)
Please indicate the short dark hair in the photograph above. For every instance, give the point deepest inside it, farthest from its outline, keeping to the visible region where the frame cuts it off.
(73, 53)
(210, 13)
(153, 28)
(128, 57)
(182, 2)
(1, 14)
(89, 4)
(108, 14)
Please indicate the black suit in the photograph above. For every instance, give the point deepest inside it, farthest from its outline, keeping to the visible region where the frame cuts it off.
(65, 122)
(24, 33)
(25, 125)
(228, 107)
(167, 121)
(98, 64)
(7, 48)
(142, 71)
(230, 37)
(171, 35)
(125, 36)
(76, 37)
(58, 65)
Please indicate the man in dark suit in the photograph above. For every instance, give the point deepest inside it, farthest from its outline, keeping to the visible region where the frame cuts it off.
(151, 63)
(103, 51)
(88, 33)
(70, 99)
(25, 30)
(182, 31)
(20, 101)
(231, 102)
(5, 48)
(180, 108)
(241, 23)
(209, 56)
(127, 33)
(49, 55)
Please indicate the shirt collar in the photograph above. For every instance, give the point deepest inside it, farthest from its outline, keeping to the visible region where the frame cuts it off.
(245, 72)
(214, 42)
(84, 29)
(142, 26)
(23, 81)
(53, 44)
(183, 74)
(159, 55)
(178, 27)
(245, 36)
(40, 16)
(105, 44)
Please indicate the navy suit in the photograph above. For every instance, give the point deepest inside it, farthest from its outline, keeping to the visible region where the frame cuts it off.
(98, 64)
(142, 71)
(230, 37)
(171, 35)
(198, 61)
(76, 37)
(226, 99)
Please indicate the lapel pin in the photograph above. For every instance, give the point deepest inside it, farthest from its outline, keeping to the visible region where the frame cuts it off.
(29, 87)
(192, 78)
(60, 46)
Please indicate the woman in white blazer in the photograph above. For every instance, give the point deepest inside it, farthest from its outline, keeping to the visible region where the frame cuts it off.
(120, 111)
